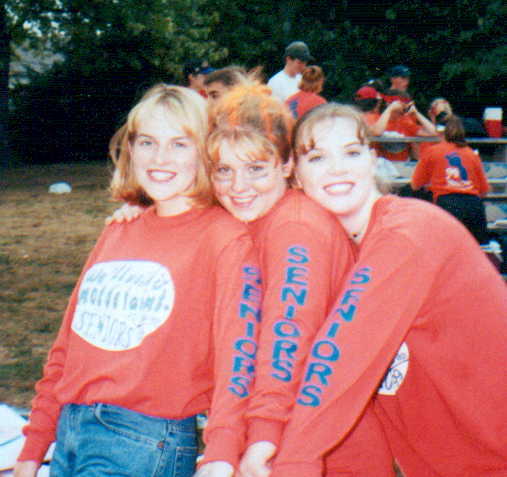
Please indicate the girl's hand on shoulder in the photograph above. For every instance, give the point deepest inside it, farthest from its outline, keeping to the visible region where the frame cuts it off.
(256, 460)
(27, 468)
(215, 469)
(126, 213)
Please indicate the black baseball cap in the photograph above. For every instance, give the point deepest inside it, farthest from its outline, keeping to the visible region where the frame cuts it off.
(299, 50)
(399, 70)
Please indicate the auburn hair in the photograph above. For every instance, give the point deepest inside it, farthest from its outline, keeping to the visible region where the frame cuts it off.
(249, 115)
(312, 79)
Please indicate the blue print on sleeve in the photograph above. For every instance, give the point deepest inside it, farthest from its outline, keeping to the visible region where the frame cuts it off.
(245, 347)
(325, 352)
(294, 295)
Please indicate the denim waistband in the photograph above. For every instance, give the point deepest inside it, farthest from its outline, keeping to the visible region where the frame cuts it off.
(187, 424)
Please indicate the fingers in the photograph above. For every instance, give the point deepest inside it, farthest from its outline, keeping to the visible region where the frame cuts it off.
(256, 460)
(126, 213)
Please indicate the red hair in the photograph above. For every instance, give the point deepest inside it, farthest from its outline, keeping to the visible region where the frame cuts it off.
(251, 108)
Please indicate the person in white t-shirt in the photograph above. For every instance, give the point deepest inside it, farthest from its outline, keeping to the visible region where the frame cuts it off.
(285, 83)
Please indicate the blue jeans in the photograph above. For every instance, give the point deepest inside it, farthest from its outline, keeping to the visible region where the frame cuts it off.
(102, 439)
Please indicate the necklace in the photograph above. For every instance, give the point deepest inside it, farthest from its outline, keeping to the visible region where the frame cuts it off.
(356, 236)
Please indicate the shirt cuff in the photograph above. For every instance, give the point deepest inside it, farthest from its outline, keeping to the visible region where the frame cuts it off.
(34, 449)
(222, 445)
(260, 429)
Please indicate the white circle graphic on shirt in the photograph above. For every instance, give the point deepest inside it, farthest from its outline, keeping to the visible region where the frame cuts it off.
(121, 302)
(396, 374)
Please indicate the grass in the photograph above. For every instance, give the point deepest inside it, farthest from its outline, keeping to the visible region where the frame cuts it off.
(44, 242)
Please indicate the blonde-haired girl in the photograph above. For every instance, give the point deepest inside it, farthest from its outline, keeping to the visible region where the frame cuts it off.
(162, 323)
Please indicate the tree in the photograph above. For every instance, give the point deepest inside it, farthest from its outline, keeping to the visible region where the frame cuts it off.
(4, 88)
(114, 50)
(454, 48)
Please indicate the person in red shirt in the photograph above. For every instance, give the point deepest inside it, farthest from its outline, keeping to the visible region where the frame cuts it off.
(454, 174)
(162, 324)
(418, 330)
(405, 121)
(368, 99)
(304, 256)
(311, 84)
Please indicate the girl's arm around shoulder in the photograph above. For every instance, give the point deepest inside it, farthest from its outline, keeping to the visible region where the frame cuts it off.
(353, 349)
(125, 213)
(236, 318)
(297, 265)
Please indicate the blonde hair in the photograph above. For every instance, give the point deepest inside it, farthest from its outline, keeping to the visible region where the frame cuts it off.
(250, 117)
(312, 79)
(445, 107)
(182, 105)
(303, 138)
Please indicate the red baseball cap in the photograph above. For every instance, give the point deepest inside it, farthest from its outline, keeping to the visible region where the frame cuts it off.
(367, 92)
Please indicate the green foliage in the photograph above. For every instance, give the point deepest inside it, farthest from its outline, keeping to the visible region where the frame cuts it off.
(97, 35)
(454, 48)
(114, 49)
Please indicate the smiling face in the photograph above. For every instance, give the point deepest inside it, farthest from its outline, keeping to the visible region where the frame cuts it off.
(248, 188)
(338, 170)
(165, 161)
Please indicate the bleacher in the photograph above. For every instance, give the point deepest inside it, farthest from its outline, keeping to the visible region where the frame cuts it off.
(495, 204)
(496, 200)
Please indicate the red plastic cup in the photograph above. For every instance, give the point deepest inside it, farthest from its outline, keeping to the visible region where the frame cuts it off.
(493, 121)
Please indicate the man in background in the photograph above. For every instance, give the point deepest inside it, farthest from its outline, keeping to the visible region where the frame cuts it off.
(218, 82)
(195, 71)
(400, 78)
(285, 83)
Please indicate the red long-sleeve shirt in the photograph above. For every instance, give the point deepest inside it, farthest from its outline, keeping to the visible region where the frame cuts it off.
(162, 321)
(449, 169)
(304, 255)
(423, 291)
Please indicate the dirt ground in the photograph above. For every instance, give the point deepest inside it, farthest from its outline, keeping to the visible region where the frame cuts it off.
(44, 240)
